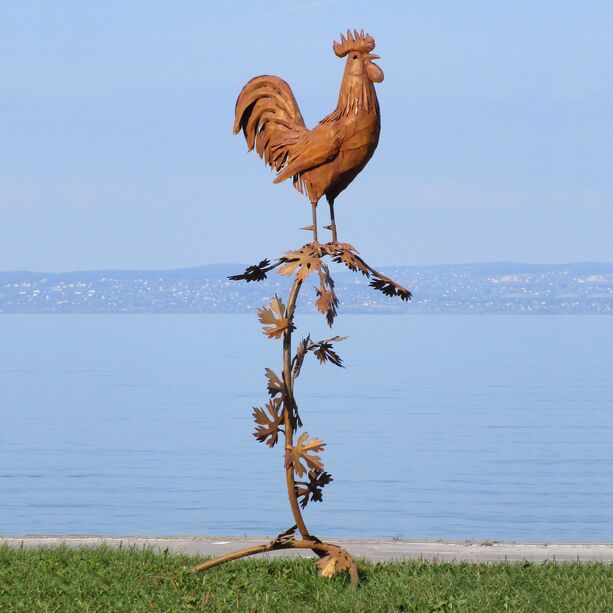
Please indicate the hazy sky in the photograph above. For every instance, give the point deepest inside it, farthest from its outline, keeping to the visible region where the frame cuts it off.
(116, 147)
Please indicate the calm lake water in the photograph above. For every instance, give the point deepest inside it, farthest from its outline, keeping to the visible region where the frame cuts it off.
(440, 427)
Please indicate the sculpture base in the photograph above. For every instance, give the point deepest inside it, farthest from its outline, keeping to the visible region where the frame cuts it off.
(333, 559)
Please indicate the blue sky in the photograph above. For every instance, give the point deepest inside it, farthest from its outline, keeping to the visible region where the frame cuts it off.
(116, 148)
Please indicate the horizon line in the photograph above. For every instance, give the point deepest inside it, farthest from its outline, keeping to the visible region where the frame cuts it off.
(243, 265)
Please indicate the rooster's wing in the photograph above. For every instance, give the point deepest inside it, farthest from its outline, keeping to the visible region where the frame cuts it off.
(313, 148)
(268, 114)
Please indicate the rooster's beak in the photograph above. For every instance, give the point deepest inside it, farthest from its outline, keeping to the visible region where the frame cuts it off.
(372, 56)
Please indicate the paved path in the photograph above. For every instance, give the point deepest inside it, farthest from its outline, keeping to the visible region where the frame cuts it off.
(375, 550)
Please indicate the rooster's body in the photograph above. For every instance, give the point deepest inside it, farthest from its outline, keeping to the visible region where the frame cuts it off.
(324, 160)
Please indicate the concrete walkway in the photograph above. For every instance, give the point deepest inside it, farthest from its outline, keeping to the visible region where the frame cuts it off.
(375, 550)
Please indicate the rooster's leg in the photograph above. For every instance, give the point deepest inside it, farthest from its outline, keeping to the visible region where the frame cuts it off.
(332, 225)
(314, 209)
(332, 221)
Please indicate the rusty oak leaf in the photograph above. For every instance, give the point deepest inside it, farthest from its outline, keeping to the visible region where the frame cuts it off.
(294, 415)
(267, 425)
(343, 253)
(311, 489)
(333, 249)
(324, 353)
(257, 272)
(304, 454)
(275, 385)
(326, 303)
(390, 288)
(301, 351)
(305, 261)
(322, 350)
(335, 563)
(273, 318)
(327, 300)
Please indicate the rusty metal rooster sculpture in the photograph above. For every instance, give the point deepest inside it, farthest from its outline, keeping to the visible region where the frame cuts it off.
(326, 159)
(322, 161)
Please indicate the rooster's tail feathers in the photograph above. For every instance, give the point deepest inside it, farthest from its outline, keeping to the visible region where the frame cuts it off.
(268, 114)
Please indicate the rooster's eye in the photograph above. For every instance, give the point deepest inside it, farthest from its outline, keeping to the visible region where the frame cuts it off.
(355, 57)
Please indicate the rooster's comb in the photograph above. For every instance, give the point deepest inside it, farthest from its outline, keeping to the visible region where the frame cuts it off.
(358, 41)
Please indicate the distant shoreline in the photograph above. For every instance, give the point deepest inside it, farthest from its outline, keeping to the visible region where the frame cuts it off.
(353, 314)
(499, 288)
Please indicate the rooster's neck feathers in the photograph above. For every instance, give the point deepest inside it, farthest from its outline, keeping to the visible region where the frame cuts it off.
(356, 95)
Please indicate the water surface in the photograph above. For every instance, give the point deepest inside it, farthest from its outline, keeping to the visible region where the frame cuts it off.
(474, 427)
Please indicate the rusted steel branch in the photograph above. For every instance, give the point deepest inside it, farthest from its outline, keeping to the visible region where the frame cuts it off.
(290, 406)
(328, 567)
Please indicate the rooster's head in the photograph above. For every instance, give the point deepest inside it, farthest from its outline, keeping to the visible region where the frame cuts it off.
(357, 46)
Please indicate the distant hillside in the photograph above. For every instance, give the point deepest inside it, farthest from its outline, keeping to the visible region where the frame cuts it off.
(499, 287)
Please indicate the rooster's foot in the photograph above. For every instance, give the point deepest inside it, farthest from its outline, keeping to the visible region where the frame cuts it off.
(332, 227)
(314, 230)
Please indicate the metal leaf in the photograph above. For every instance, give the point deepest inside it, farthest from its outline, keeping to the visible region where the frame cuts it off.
(324, 353)
(257, 272)
(334, 563)
(273, 318)
(304, 454)
(327, 300)
(302, 262)
(275, 385)
(267, 430)
(294, 415)
(344, 253)
(301, 351)
(311, 490)
(390, 288)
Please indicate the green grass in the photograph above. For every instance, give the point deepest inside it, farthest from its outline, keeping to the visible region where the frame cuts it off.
(103, 579)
